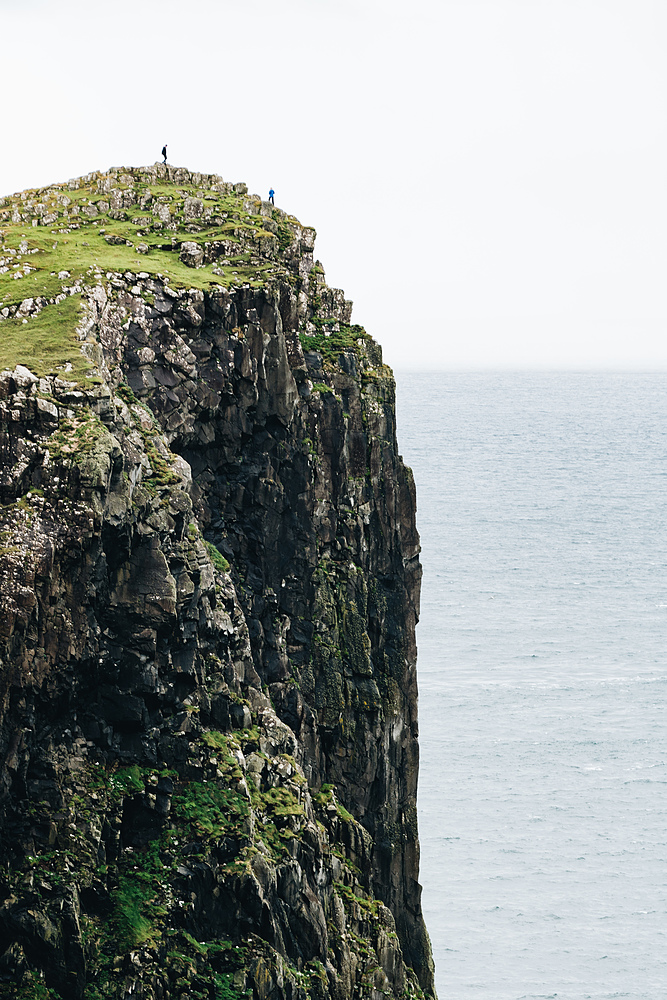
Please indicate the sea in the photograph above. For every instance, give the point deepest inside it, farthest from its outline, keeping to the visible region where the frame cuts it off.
(542, 508)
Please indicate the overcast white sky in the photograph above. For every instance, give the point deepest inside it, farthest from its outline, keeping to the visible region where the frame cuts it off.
(487, 177)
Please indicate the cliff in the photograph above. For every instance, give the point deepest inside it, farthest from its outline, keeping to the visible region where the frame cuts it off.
(210, 583)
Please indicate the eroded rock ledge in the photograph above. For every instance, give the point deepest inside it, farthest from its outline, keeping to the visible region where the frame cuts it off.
(210, 581)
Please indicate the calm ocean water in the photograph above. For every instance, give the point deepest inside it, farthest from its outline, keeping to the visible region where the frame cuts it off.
(542, 502)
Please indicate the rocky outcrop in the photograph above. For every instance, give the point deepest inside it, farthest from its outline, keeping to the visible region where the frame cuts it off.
(210, 581)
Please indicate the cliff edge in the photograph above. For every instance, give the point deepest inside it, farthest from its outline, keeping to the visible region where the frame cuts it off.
(210, 582)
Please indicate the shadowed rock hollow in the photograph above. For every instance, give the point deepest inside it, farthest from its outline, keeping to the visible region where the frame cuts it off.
(210, 583)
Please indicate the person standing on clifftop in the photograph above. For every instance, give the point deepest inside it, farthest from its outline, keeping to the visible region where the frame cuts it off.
(271, 194)
(164, 153)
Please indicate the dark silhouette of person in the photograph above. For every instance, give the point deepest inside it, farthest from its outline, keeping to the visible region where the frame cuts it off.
(271, 194)
(164, 153)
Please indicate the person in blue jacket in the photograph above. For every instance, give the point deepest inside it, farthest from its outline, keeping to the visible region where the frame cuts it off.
(271, 194)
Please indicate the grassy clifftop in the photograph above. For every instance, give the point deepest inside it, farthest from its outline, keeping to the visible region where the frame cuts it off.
(192, 230)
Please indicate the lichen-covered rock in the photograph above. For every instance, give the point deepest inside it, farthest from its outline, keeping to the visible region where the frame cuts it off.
(210, 581)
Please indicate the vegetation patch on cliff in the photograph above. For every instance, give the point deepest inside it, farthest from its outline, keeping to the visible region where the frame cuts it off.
(332, 342)
(47, 343)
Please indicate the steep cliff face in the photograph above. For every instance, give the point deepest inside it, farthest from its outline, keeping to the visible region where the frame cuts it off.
(210, 583)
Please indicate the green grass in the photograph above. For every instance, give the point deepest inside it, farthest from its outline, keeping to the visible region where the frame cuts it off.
(227, 762)
(162, 473)
(136, 900)
(128, 779)
(47, 343)
(324, 796)
(73, 255)
(210, 811)
(217, 557)
(224, 987)
(273, 808)
(132, 927)
(335, 343)
(80, 249)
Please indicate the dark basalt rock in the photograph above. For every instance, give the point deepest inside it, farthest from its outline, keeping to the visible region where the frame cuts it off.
(210, 583)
